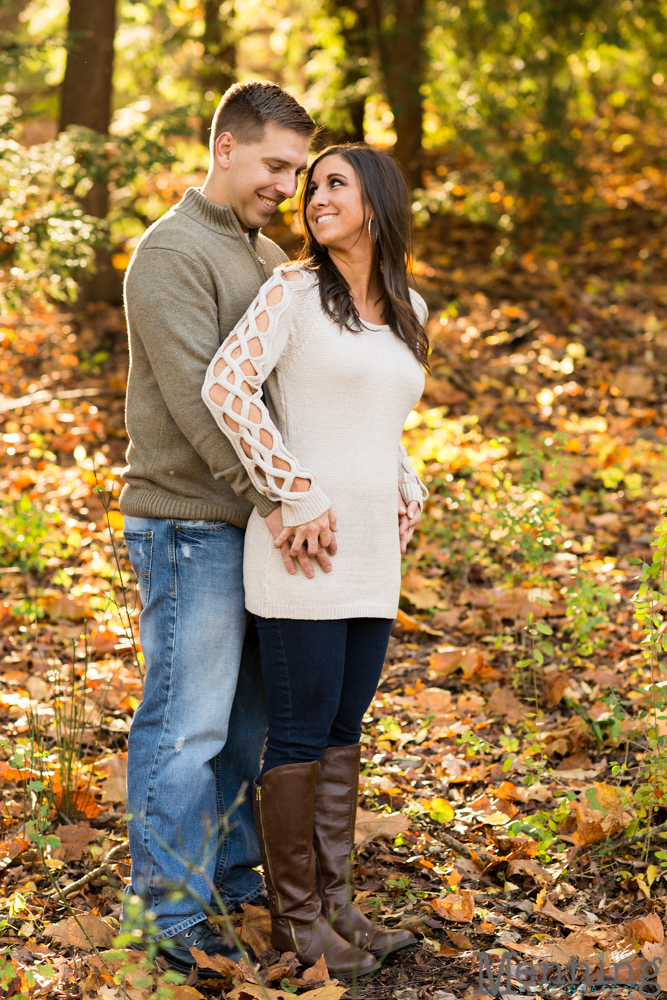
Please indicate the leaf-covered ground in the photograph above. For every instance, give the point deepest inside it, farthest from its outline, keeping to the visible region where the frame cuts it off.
(502, 806)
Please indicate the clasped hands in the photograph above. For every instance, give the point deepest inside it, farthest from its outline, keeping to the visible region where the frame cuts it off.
(316, 539)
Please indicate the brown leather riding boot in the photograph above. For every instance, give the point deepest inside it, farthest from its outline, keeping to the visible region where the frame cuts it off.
(335, 814)
(284, 806)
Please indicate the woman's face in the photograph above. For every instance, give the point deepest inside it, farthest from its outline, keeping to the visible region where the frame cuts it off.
(335, 212)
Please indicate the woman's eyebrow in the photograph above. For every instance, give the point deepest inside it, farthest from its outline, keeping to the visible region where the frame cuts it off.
(331, 176)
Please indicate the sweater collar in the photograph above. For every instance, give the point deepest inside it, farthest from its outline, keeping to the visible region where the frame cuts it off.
(221, 218)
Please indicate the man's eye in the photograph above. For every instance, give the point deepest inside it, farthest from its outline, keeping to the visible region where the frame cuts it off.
(275, 167)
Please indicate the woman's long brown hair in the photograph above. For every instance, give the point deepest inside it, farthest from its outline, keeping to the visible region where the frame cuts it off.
(383, 187)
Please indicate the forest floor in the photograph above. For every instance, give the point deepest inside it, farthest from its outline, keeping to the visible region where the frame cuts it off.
(510, 771)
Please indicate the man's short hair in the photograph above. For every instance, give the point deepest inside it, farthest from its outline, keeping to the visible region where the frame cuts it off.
(247, 108)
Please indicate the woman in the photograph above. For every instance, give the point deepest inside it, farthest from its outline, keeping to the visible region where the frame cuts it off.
(337, 342)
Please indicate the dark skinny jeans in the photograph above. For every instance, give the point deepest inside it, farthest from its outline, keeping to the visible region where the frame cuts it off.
(320, 677)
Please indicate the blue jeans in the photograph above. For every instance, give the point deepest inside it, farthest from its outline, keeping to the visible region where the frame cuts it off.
(198, 735)
(320, 678)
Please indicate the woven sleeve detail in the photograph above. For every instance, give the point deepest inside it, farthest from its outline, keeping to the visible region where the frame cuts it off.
(419, 306)
(409, 483)
(233, 393)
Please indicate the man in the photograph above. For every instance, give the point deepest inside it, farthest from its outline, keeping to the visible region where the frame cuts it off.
(198, 735)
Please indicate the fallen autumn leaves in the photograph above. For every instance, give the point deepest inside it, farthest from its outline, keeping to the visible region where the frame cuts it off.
(450, 840)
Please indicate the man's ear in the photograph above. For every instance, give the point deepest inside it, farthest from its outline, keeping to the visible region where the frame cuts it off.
(224, 146)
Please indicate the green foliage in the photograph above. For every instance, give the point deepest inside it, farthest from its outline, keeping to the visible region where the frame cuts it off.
(512, 85)
(28, 536)
(48, 242)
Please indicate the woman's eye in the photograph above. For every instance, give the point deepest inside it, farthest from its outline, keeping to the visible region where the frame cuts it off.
(335, 181)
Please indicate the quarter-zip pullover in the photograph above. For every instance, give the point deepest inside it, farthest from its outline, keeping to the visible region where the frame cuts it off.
(192, 277)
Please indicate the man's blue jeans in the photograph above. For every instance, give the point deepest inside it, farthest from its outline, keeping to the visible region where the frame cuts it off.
(198, 735)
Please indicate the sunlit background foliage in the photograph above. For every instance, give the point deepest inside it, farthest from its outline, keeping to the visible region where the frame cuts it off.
(510, 112)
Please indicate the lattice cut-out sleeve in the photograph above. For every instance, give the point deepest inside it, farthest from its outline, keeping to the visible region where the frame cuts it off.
(409, 483)
(233, 393)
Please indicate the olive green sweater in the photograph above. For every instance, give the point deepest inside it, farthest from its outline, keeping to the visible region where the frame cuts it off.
(192, 277)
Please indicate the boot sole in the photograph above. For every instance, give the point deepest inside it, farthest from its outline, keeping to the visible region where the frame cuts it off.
(390, 951)
(356, 972)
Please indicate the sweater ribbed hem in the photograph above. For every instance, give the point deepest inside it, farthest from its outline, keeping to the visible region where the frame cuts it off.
(320, 613)
(309, 506)
(156, 503)
(411, 491)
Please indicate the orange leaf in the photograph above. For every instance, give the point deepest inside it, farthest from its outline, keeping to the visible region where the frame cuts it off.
(460, 940)
(458, 906)
(648, 928)
(414, 625)
(219, 963)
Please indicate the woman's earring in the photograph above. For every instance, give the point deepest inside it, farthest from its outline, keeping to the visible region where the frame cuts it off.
(373, 238)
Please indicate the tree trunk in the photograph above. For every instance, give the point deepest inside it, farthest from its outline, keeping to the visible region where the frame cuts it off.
(86, 100)
(86, 92)
(399, 25)
(358, 44)
(218, 68)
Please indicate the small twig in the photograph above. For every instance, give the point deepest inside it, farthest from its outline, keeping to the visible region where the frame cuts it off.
(74, 887)
(461, 849)
(46, 396)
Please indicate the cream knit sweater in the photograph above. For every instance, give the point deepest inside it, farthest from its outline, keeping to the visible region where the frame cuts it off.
(308, 399)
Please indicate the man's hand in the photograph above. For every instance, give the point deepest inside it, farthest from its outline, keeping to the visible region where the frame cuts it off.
(408, 519)
(314, 539)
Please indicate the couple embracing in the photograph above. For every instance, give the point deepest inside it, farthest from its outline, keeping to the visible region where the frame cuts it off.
(268, 499)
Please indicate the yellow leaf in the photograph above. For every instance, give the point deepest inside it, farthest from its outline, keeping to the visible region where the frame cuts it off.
(441, 811)
(116, 520)
(642, 886)
(651, 874)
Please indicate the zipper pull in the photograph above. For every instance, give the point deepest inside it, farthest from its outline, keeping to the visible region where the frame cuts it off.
(260, 259)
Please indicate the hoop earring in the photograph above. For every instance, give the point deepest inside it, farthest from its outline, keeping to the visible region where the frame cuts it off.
(372, 238)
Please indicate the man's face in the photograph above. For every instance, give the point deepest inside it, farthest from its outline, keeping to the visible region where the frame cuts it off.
(262, 174)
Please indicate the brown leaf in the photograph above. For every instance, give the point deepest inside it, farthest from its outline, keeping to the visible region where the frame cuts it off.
(318, 972)
(114, 788)
(634, 382)
(460, 940)
(567, 919)
(256, 928)
(654, 949)
(74, 840)
(446, 620)
(10, 849)
(70, 933)
(556, 683)
(219, 963)
(279, 971)
(560, 950)
(64, 607)
(505, 703)
(539, 874)
(377, 826)
(183, 993)
(648, 928)
(433, 701)
(252, 991)
(456, 906)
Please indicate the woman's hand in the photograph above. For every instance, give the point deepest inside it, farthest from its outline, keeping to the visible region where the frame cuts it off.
(314, 539)
(408, 519)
